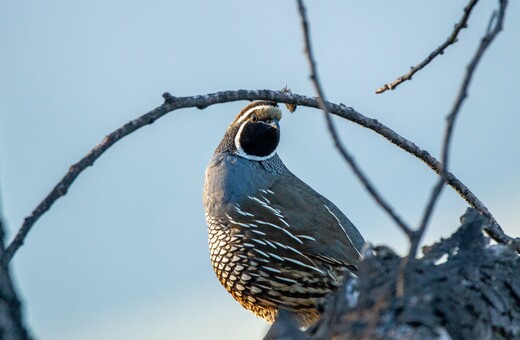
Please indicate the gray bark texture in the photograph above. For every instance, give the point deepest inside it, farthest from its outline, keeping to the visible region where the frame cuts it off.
(462, 288)
(11, 327)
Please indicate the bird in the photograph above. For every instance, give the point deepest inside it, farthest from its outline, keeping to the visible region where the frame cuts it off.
(275, 243)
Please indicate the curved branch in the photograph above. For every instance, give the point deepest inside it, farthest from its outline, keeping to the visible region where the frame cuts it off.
(334, 133)
(203, 101)
(452, 39)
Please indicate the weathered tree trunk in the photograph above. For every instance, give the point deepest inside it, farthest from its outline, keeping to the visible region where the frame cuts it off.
(11, 326)
(462, 288)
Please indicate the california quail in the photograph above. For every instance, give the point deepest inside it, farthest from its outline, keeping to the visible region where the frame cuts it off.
(275, 243)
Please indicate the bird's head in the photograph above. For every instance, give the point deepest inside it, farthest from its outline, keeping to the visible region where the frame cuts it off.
(254, 134)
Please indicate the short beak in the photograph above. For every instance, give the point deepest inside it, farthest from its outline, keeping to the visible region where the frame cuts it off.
(274, 123)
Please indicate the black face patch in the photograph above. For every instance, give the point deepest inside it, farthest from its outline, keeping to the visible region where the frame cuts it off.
(259, 139)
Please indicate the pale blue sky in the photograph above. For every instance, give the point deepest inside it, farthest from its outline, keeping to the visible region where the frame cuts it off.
(124, 254)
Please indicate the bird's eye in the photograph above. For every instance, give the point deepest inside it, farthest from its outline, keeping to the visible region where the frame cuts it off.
(254, 118)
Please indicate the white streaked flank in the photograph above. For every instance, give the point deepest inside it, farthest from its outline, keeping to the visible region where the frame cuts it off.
(286, 279)
(258, 241)
(261, 252)
(270, 243)
(306, 237)
(344, 230)
(275, 256)
(280, 244)
(304, 265)
(277, 212)
(237, 208)
(284, 222)
(271, 269)
(296, 251)
(280, 228)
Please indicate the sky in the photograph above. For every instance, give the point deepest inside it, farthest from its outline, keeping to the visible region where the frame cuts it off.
(124, 254)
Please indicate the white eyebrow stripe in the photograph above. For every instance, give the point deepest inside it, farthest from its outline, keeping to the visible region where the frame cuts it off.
(248, 112)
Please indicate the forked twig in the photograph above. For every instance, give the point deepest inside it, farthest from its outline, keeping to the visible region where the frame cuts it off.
(494, 28)
(414, 236)
(452, 39)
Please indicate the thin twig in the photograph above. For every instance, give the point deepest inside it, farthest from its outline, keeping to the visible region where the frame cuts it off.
(494, 27)
(333, 131)
(491, 33)
(203, 101)
(452, 39)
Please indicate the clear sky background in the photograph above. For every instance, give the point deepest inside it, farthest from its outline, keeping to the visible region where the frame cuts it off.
(124, 255)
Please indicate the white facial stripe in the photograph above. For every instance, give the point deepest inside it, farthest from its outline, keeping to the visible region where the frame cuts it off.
(246, 114)
(242, 153)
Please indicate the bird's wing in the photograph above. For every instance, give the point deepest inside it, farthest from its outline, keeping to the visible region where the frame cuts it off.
(297, 216)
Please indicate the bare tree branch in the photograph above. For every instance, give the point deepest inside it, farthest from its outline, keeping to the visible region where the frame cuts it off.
(334, 133)
(452, 39)
(489, 36)
(203, 101)
(494, 28)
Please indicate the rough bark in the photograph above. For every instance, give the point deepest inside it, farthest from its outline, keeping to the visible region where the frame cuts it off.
(11, 325)
(462, 288)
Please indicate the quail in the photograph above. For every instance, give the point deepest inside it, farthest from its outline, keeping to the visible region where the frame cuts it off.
(275, 243)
